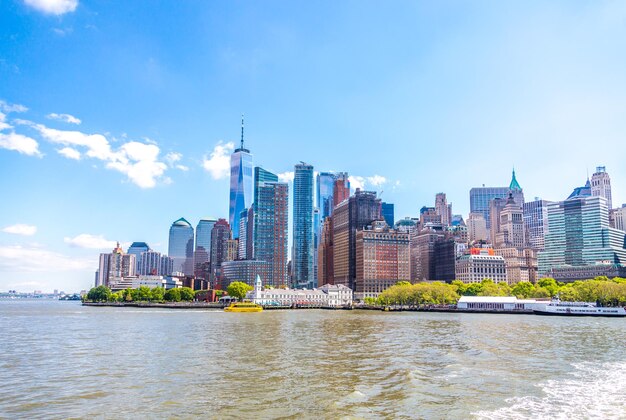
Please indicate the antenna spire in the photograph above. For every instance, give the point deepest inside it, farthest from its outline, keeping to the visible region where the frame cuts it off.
(242, 131)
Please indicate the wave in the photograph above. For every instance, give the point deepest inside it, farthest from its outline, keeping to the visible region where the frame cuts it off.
(591, 390)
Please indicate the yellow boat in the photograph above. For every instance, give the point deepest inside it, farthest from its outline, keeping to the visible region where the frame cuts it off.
(243, 307)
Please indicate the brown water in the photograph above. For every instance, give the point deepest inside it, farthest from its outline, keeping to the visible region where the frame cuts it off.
(59, 360)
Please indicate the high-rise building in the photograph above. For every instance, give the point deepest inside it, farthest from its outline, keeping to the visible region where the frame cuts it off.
(325, 256)
(432, 254)
(388, 214)
(350, 215)
(203, 248)
(220, 235)
(316, 242)
(325, 187)
(271, 209)
(382, 259)
(618, 217)
(495, 207)
(601, 185)
(443, 209)
(481, 197)
(341, 189)
(245, 271)
(240, 184)
(302, 255)
(516, 190)
(114, 266)
(536, 222)
(477, 228)
(511, 232)
(481, 264)
(136, 248)
(579, 242)
(180, 247)
(429, 215)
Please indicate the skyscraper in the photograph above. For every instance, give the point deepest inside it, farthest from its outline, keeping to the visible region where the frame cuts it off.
(240, 184)
(180, 247)
(136, 248)
(536, 222)
(220, 235)
(302, 255)
(601, 185)
(325, 188)
(481, 197)
(341, 188)
(388, 214)
(271, 229)
(516, 190)
(579, 243)
(442, 209)
(203, 248)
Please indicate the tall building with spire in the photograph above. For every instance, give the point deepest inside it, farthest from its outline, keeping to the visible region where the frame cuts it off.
(240, 184)
(516, 190)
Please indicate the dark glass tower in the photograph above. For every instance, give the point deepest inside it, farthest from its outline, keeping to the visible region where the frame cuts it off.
(302, 255)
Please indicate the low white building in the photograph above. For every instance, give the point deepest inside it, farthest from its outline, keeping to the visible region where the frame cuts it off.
(327, 296)
(499, 303)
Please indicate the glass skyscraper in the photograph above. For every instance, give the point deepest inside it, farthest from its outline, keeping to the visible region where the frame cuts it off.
(240, 184)
(271, 225)
(180, 247)
(136, 248)
(203, 247)
(302, 255)
(325, 187)
(388, 214)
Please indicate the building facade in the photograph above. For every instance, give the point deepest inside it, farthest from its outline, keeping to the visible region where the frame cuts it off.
(203, 248)
(327, 296)
(477, 228)
(180, 246)
(536, 223)
(303, 247)
(481, 197)
(388, 213)
(240, 184)
(479, 265)
(382, 259)
(245, 271)
(220, 237)
(601, 185)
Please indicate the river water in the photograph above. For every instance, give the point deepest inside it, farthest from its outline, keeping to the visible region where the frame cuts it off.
(60, 360)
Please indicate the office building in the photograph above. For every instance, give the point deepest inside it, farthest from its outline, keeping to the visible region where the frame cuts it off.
(481, 264)
(136, 248)
(382, 259)
(271, 226)
(152, 263)
(325, 257)
(477, 228)
(443, 209)
(341, 189)
(601, 185)
(432, 253)
(618, 217)
(114, 267)
(511, 231)
(387, 210)
(325, 183)
(220, 237)
(429, 215)
(302, 255)
(536, 222)
(180, 246)
(203, 248)
(245, 271)
(240, 184)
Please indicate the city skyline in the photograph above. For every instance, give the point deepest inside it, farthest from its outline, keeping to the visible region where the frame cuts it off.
(146, 138)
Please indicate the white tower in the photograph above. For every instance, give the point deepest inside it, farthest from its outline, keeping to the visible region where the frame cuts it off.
(601, 185)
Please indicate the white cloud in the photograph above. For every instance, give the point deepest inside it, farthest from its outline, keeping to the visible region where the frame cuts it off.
(33, 259)
(69, 153)
(21, 229)
(182, 168)
(376, 180)
(356, 182)
(19, 143)
(53, 7)
(286, 176)
(12, 107)
(138, 161)
(88, 241)
(3, 124)
(70, 119)
(218, 165)
(172, 158)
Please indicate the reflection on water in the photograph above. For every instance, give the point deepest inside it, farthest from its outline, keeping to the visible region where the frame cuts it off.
(63, 360)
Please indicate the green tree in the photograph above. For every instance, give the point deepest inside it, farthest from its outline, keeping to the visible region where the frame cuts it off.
(156, 294)
(550, 285)
(186, 294)
(403, 283)
(238, 289)
(172, 295)
(143, 294)
(99, 294)
(116, 297)
(523, 289)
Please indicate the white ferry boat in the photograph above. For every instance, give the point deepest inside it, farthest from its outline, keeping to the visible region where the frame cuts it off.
(557, 307)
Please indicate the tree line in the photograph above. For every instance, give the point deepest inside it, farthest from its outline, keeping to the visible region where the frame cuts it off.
(601, 290)
(141, 294)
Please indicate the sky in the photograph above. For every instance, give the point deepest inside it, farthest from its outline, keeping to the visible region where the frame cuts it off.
(117, 118)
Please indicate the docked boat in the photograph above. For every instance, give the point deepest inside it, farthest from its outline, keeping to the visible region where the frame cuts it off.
(557, 307)
(243, 307)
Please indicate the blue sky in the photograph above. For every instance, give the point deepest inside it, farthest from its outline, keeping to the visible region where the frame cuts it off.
(117, 117)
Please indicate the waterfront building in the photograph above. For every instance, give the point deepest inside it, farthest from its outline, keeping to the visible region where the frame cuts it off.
(536, 222)
(150, 263)
(382, 259)
(327, 296)
(325, 188)
(353, 214)
(443, 209)
(180, 246)
(271, 226)
(477, 228)
(203, 248)
(499, 303)
(302, 251)
(220, 235)
(115, 266)
(240, 184)
(601, 185)
(481, 264)
(387, 210)
(245, 271)
(579, 236)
